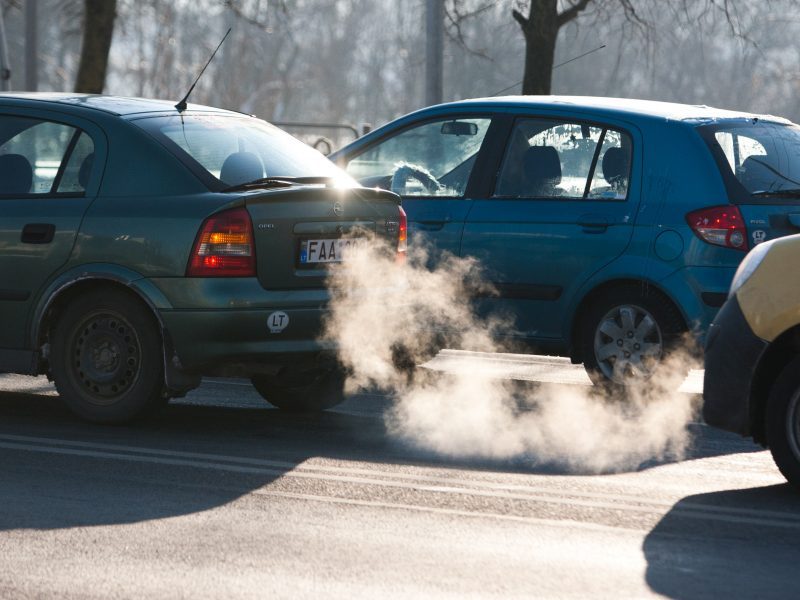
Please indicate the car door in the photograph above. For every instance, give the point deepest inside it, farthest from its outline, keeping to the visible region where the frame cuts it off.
(562, 207)
(46, 168)
(432, 165)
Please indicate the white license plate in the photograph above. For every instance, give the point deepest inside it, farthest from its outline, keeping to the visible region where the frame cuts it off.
(327, 251)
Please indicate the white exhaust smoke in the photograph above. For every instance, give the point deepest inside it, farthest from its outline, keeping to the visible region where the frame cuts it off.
(380, 305)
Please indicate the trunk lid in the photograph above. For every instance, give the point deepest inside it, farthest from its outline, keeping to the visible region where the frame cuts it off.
(296, 229)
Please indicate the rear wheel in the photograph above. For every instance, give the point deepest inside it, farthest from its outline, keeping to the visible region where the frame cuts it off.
(313, 391)
(626, 334)
(106, 357)
(783, 422)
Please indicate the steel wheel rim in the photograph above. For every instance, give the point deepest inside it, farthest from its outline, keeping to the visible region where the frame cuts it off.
(628, 344)
(105, 357)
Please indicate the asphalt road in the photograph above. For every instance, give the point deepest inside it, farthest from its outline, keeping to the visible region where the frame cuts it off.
(221, 496)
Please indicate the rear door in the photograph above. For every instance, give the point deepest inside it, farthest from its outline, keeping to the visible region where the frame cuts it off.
(46, 184)
(562, 207)
(430, 164)
(760, 163)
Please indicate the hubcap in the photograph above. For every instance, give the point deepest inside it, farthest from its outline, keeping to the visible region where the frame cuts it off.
(628, 344)
(106, 357)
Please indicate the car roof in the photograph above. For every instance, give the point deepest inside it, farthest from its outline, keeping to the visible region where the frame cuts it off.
(115, 105)
(621, 107)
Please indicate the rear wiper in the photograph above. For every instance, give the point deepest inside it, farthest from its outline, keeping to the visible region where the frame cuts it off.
(785, 193)
(277, 181)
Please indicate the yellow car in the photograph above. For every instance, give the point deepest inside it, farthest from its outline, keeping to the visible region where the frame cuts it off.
(752, 378)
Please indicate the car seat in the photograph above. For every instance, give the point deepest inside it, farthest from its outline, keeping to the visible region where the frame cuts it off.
(16, 174)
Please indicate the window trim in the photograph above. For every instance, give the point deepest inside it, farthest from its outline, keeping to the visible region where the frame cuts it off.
(64, 159)
(577, 121)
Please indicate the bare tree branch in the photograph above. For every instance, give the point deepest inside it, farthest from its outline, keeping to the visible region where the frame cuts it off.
(572, 12)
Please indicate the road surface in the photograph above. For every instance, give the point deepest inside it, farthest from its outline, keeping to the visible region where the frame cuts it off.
(221, 496)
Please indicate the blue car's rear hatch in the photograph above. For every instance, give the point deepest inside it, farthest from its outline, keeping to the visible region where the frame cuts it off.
(760, 163)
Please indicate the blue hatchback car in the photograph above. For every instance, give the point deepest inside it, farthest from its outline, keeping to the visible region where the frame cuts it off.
(609, 227)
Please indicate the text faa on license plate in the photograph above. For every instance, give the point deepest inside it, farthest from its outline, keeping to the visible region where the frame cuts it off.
(326, 251)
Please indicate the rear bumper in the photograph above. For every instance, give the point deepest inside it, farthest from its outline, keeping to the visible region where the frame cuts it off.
(731, 356)
(240, 341)
(222, 326)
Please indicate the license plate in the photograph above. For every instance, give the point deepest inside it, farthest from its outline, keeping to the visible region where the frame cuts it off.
(327, 251)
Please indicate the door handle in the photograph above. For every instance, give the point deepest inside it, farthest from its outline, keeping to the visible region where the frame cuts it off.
(593, 223)
(429, 225)
(38, 233)
(794, 219)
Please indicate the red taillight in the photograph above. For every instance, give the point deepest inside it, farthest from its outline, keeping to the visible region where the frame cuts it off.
(719, 225)
(224, 246)
(402, 236)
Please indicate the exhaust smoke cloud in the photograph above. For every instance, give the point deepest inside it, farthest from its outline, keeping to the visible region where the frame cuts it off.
(386, 312)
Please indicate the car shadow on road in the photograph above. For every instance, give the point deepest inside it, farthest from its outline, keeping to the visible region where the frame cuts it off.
(731, 544)
(58, 472)
(193, 457)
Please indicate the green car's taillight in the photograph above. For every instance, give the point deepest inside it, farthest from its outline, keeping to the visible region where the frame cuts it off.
(224, 246)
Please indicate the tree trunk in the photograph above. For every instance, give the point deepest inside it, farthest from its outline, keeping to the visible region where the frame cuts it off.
(540, 29)
(98, 29)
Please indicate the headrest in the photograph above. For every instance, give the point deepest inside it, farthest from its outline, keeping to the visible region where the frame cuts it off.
(757, 175)
(542, 166)
(615, 165)
(241, 167)
(85, 170)
(16, 174)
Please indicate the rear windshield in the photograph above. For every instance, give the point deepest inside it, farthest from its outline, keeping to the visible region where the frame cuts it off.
(232, 150)
(757, 159)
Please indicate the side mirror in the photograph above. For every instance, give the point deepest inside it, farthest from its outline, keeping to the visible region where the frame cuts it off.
(459, 128)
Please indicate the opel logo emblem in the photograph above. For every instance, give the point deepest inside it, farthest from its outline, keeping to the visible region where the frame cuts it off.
(338, 209)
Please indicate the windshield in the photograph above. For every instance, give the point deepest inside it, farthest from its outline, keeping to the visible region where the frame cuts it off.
(757, 157)
(234, 150)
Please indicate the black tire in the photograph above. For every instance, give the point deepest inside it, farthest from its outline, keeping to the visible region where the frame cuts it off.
(639, 349)
(783, 422)
(310, 392)
(106, 357)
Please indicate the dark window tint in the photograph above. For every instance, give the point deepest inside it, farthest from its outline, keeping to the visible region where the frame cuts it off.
(558, 159)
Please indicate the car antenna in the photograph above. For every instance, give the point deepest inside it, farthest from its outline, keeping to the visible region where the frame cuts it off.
(513, 85)
(181, 106)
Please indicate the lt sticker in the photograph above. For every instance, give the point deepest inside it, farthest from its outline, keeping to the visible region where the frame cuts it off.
(277, 321)
(759, 235)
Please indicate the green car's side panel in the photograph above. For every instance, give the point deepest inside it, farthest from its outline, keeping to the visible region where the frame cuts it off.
(154, 240)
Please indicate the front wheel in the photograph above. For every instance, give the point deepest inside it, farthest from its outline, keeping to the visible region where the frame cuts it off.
(783, 422)
(106, 357)
(313, 392)
(626, 334)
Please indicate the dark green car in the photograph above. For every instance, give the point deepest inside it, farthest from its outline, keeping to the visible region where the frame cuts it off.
(142, 248)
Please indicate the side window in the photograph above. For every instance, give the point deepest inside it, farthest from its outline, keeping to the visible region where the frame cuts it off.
(556, 159)
(43, 157)
(433, 159)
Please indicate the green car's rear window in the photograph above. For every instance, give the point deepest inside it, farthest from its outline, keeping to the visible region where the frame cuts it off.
(235, 150)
